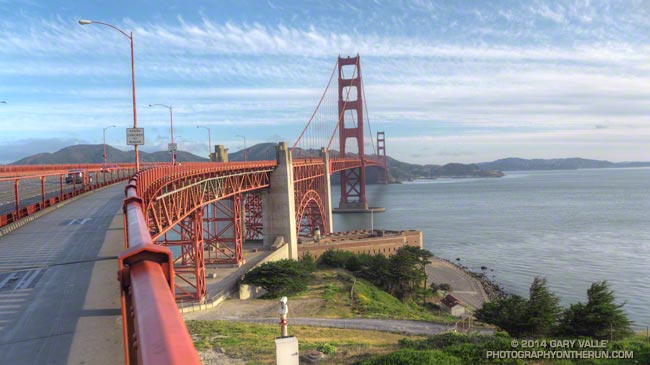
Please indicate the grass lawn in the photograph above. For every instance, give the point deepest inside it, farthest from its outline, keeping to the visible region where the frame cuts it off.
(255, 344)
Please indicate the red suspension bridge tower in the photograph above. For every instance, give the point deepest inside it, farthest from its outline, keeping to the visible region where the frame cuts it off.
(353, 181)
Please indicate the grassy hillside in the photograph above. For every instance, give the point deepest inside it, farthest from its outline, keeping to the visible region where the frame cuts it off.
(254, 343)
(93, 153)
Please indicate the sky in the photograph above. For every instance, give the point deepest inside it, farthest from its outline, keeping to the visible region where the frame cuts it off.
(448, 81)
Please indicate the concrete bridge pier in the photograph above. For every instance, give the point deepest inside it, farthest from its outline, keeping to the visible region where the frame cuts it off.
(279, 218)
(327, 190)
(220, 154)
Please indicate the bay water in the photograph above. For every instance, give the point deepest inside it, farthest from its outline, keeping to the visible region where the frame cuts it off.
(572, 227)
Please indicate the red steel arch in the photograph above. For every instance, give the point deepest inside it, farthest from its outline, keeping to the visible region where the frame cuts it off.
(311, 214)
(310, 186)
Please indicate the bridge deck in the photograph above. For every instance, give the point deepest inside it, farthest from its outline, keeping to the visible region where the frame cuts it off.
(58, 288)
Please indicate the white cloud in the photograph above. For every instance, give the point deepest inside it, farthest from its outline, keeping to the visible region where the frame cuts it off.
(547, 66)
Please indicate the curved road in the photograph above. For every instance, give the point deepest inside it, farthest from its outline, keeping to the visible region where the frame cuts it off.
(59, 297)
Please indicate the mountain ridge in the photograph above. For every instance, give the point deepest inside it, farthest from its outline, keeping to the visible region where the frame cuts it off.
(571, 163)
(398, 170)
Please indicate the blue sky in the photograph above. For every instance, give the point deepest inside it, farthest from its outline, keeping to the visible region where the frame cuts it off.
(460, 81)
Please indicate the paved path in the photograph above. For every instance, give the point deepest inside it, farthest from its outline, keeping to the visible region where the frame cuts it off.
(59, 297)
(386, 325)
(466, 288)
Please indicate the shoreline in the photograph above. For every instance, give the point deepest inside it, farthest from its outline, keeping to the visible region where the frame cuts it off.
(493, 290)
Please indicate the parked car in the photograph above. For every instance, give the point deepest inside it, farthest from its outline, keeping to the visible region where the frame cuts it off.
(77, 176)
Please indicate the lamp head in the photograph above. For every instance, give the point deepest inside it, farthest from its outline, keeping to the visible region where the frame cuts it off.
(85, 22)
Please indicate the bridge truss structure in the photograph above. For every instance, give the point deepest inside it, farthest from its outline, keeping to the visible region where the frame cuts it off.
(178, 219)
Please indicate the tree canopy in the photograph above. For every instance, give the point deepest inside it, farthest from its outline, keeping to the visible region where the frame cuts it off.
(600, 318)
(283, 277)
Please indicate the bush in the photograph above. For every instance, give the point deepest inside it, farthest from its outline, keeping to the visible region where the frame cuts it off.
(444, 287)
(327, 349)
(278, 278)
(402, 275)
(308, 262)
(334, 258)
(412, 357)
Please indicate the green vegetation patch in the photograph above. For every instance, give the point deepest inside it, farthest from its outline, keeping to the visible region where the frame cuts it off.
(372, 302)
(412, 357)
(367, 301)
(255, 343)
(472, 349)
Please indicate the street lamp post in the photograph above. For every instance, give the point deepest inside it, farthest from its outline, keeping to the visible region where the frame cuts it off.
(245, 149)
(135, 116)
(209, 141)
(105, 128)
(171, 126)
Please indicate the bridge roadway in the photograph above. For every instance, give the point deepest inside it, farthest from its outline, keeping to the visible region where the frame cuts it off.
(58, 302)
(30, 191)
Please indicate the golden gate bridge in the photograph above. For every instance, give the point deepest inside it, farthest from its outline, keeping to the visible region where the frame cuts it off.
(205, 211)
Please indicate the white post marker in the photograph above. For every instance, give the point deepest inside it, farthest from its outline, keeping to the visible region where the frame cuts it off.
(286, 347)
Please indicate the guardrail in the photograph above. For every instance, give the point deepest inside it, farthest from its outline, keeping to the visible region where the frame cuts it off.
(154, 331)
(18, 170)
(24, 195)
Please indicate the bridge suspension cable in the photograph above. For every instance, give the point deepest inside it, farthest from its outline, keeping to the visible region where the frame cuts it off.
(328, 117)
(365, 105)
(316, 132)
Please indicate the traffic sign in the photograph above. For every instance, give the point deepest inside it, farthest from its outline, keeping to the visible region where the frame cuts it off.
(134, 136)
(172, 147)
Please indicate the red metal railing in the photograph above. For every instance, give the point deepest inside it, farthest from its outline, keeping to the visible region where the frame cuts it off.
(154, 331)
(18, 170)
(27, 193)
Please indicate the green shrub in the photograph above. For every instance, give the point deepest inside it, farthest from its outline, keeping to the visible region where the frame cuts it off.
(278, 278)
(334, 258)
(308, 262)
(412, 357)
(327, 349)
(443, 340)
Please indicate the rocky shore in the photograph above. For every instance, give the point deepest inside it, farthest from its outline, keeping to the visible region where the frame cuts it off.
(492, 289)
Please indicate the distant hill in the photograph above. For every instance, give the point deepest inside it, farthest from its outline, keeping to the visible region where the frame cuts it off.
(258, 152)
(520, 164)
(398, 171)
(93, 153)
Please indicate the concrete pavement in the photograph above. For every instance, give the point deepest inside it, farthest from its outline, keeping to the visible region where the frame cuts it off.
(30, 190)
(466, 288)
(59, 297)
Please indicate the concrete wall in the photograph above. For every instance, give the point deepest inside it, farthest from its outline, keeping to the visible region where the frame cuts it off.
(359, 242)
(456, 311)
